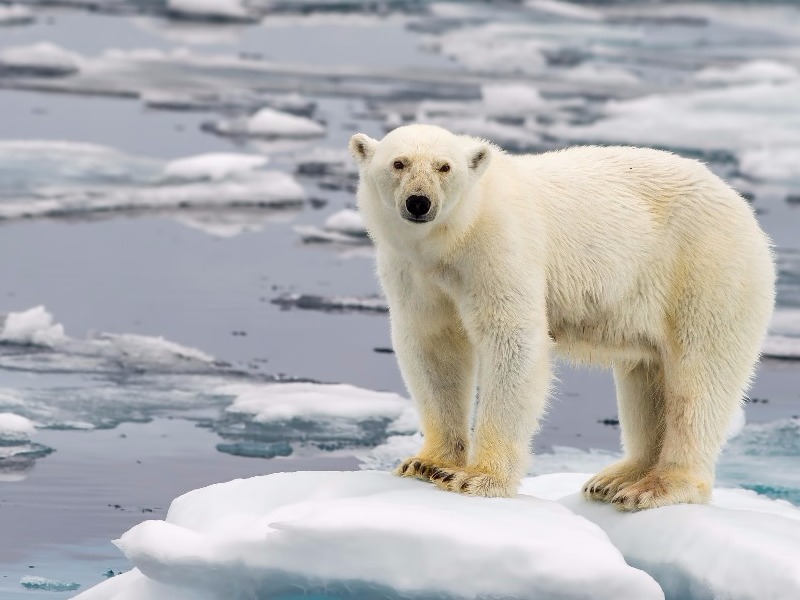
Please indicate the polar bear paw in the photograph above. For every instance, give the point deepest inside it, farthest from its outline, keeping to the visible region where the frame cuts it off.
(418, 467)
(472, 483)
(605, 485)
(663, 487)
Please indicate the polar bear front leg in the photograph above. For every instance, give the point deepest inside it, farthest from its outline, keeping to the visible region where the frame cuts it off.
(514, 380)
(437, 361)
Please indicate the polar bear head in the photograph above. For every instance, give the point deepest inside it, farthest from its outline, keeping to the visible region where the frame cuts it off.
(418, 173)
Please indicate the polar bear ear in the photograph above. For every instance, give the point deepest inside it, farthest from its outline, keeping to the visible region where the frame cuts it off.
(362, 147)
(479, 158)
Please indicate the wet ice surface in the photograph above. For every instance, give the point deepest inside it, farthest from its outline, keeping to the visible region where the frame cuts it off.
(191, 189)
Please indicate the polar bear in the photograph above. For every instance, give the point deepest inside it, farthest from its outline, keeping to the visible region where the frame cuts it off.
(630, 258)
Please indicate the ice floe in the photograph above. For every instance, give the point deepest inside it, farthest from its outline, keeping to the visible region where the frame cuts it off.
(327, 417)
(12, 425)
(52, 179)
(213, 166)
(370, 304)
(269, 123)
(213, 10)
(349, 532)
(43, 59)
(368, 535)
(32, 340)
(34, 582)
(342, 227)
(15, 14)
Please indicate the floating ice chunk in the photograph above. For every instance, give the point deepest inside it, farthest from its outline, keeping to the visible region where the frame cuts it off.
(749, 72)
(345, 226)
(705, 552)
(729, 120)
(270, 123)
(781, 346)
(43, 59)
(15, 14)
(772, 164)
(346, 221)
(511, 99)
(214, 166)
(327, 417)
(33, 582)
(315, 402)
(34, 326)
(372, 304)
(223, 10)
(337, 533)
(15, 425)
(495, 48)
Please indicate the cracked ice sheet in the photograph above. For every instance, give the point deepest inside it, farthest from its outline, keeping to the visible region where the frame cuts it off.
(223, 193)
(349, 532)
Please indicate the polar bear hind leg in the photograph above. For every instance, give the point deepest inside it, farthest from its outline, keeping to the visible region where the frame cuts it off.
(640, 398)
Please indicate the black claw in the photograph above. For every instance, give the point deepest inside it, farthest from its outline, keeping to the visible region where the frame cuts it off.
(448, 478)
(464, 485)
(437, 474)
(416, 464)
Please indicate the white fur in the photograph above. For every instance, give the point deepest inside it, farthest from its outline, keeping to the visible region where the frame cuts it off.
(631, 258)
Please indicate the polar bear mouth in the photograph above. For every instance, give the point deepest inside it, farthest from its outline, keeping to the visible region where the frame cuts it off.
(413, 219)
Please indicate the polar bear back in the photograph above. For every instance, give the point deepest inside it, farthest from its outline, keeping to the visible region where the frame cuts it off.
(618, 227)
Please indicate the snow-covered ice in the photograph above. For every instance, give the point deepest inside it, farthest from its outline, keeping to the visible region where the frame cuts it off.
(343, 227)
(15, 425)
(43, 59)
(223, 10)
(370, 535)
(65, 179)
(375, 535)
(319, 416)
(270, 123)
(52, 350)
(213, 166)
(34, 326)
(15, 14)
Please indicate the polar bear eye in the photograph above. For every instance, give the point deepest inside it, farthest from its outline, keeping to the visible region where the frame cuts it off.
(444, 168)
(399, 165)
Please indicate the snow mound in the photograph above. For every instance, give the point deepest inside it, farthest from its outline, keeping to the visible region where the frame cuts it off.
(368, 535)
(42, 59)
(741, 547)
(34, 327)
(15, 14)
(15, 425)
(214, 166)
(269, 123)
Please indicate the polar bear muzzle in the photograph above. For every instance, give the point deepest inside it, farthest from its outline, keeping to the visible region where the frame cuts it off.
(418, 209)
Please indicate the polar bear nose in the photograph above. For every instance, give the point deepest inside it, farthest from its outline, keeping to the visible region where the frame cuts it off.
(418, 206)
